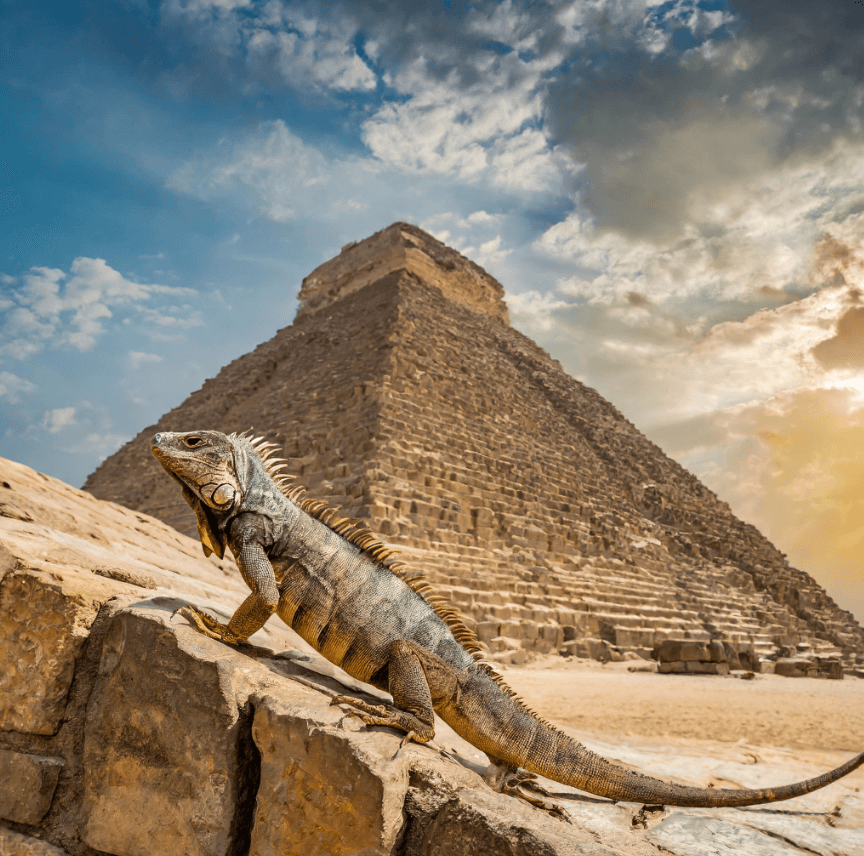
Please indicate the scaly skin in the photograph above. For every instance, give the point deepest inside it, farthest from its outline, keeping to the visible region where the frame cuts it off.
(337, 592)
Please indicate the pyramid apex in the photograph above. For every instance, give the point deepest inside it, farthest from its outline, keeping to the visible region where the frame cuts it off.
(402, 246)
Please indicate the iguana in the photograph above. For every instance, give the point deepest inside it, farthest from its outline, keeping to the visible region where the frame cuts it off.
(344, 593)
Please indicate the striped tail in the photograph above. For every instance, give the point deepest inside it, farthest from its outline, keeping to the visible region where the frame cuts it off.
(570, 763)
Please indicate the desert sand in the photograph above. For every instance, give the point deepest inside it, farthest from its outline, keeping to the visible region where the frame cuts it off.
(606, 700)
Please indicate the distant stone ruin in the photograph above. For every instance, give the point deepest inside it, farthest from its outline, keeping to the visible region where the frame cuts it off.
(401, 395)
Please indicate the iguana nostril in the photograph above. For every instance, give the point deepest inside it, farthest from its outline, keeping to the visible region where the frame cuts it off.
(157, 439)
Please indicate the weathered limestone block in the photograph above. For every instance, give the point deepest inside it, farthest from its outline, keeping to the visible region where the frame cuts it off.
(790, 667)
(717, 652)
(830, 668)
(16, 844)
(324, 789)
(550, 637)
(167, 747)
(27, 784)
(707, 668)
(45, 619)
(478, 821)
(690, 835)
(488, 630)
(670, 650)
(634, 637)
(589, 649)
(503, 643)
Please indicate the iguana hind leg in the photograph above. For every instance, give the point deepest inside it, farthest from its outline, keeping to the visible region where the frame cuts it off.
(508, 779)
(415, 678)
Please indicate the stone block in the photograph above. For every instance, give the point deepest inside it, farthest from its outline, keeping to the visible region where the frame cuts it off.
(167, 751)
(476, 822)
(27, 784)
(503, 643)
(551, 635)
(702, 668)
(588, 624)
(717, 652)
(634, 637)
(588, 649)
(733, 658)
(45, 619)
(830, 668)
(700, 836)
(673, 667)
(671, 650)
(488, 630)
(790, 667)
(511, 657)
(17, 844)
(512, 629)
(527, 630)
(323, 789)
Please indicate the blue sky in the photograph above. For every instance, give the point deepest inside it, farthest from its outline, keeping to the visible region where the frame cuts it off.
(671, 193)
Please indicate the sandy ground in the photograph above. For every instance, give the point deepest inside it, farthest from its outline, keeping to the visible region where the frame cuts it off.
(605, 700)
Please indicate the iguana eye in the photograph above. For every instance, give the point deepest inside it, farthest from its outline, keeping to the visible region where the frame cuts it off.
(192, 442)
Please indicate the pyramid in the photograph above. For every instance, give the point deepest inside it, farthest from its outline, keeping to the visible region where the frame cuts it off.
(401, 395)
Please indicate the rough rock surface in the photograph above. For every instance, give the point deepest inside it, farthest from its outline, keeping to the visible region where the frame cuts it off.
(401, 395)
(168, 743)
(27, 784)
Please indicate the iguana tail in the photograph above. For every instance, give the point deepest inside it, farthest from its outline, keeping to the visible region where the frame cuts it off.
(574, 765)
(494, 719)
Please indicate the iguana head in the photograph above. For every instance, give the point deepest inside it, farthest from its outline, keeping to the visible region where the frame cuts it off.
(204, 464)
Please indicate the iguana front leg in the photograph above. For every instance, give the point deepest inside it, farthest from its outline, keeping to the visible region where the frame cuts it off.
(415, 678)
(253, 613)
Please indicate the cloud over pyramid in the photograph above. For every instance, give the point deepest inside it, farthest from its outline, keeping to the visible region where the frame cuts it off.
(401, 395)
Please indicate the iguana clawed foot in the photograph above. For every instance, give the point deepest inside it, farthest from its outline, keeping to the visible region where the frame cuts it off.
(524, 785)
(376, 714)
(208, 625)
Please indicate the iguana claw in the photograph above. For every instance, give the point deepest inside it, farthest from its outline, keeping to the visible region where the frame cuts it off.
(208, 625)
(520, 783)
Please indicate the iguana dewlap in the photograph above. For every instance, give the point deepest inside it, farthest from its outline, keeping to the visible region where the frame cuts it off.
(339, 588)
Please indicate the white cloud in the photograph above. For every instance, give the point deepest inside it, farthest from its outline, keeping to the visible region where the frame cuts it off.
(489, 129)
(756, 237)
(533, 310)
(184, 318)
(275, 164)
(69, 309)
(59, 418)
(765, 355)
(138, 358)
(279, 41)
(319, 58)
(103, 444)
(489, 254)
(12, 387)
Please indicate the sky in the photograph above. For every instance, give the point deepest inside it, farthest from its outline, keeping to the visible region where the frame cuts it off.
(672, 195)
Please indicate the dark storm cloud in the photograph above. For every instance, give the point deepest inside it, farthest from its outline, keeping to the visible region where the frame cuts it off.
(660, 131)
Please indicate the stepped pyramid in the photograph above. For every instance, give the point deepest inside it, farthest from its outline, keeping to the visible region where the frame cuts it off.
(401, 395)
